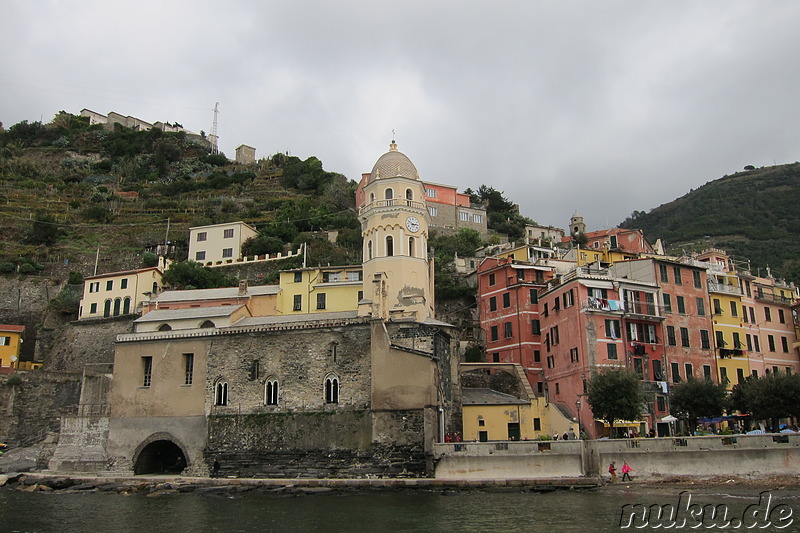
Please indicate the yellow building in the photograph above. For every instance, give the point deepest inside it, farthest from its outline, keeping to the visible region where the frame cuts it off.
(118, 293)
(218, 244)
(10, 346)
(320, 290)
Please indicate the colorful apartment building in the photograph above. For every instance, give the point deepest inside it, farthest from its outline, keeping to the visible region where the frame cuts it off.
(510, 313)
(10, 346)
(770, 314)
(320, 290)
(219, 244)
(118, 293)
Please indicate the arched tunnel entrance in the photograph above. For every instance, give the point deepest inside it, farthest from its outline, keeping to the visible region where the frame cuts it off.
(160, 457)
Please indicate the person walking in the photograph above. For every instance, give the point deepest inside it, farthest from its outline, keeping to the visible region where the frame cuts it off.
(215, 468)
(626, 471)
(612, 469)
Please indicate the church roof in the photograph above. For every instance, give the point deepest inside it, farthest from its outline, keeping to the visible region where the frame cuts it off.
(394, 164)
(214, 294)
(164, 315)
(479, 396)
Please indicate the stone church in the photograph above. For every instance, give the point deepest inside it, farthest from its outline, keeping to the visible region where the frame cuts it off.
(338, 394)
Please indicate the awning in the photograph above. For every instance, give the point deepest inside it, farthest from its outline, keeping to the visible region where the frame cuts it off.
(622, 423)
(668, 418)
(596, 284)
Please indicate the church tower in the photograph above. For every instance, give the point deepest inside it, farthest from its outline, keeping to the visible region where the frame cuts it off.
(576, 225)
(394, 218)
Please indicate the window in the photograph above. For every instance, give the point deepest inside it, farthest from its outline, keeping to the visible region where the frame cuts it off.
(5, 341)
(558, 389)
(202, 236)
(123, 283)
(739, 375)
(685, 337)
(554, 335)
(331, 389)
(389, 246)
(93, 309)
(430, 193)
(94, 286)
(734, 309)
(677, 273)
(681, 305)
(537, 424)
(493, 303)
(753, 315)
(507, 329)
(768, 314)
(200, 256)
(707, 371)
(147, 371)
(573, 355)
(737, 343)
(551, 361)
(638, 367)
(298, 277)
(717, 306)
(433, 211)
(534, 296)
(369, 250)
(667, 303)
(705, 341)
(409, 194)
(676, 374)
(495, 335)
(701, 307)
(611, 350)
(491, 279)
(110, 285)
(227, 252)
(756, 343)
(723, 375)
(188, 367)
(569, 298)
(612, 329)
(478, 219)
(689, 370)
(720, 339)
(537, 356)
(650, 334)
(749, 342)
(698, 282)
(771, 341)
(496, 357)
(227, 234)
(463, 216)
(633, 331)
(661, 403)
(207, 324)
(221, 393)
(658, 373)
(614, 243)
(785, 344)
(271, 392)
(507, 299)
(663, 271)
(411, 252)
(298, 302)
(781, 317)
(536, 328)
(321, 300)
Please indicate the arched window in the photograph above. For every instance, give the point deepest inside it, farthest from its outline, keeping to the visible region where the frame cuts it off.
(221, 393)
(409, 195)
(389, 246)
(411, 246)
(369, 249)
(107, 308)
(117, 306)
(208, 324)
(388, 194)
(155, 287)
(271, 392)
(331, 389)
(126, 306)
(164, 327)
(371, 197)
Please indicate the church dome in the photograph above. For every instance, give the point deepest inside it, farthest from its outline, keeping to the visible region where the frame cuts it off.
(394, 164)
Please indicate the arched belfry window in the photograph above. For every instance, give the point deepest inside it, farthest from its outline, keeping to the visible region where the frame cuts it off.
(221, 393)
(371, 197)
(271, 391)
(411, 246)
(332, 389)
(389, 246)
(388, 193)
(409, 195)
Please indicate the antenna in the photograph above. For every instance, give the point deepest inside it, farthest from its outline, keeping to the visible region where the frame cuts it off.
(213, 138)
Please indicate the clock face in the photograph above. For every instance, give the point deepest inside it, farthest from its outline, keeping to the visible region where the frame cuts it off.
(412, 224)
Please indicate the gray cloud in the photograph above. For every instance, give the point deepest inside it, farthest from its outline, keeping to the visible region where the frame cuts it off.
(601, 107)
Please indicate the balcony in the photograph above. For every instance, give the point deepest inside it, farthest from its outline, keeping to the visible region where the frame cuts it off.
(644, 309)
(774, 299)
(394, 202)
(601, 304)
(713, 286)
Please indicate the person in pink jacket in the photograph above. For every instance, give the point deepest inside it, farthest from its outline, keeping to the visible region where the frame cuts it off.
(626, 471)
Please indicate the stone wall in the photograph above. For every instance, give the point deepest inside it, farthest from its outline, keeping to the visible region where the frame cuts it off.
(90, 342)
(81, 445)
(316, 444)
(33, 406)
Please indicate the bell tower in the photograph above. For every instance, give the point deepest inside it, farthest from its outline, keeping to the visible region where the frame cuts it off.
(394, 225)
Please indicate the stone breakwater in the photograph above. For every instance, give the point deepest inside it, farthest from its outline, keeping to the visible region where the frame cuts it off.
(164, 485)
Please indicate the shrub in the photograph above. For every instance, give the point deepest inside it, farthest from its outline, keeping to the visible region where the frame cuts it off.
(27, 268)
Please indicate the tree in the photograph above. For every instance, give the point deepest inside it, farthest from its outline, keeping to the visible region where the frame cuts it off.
(695, 398)
(191, 275)
(45, 230)
(615, 394)
(773, 396)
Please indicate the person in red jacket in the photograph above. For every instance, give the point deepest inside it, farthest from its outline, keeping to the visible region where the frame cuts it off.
(626, 471)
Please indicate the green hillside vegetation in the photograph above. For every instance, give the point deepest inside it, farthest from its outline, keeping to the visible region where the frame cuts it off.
(752, 214)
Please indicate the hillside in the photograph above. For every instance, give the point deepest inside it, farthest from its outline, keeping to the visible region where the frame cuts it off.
(752, 214)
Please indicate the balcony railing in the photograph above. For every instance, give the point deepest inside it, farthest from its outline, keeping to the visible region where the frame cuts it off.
(601, 304)
(774, 298)
(394, 202)
(721, 287)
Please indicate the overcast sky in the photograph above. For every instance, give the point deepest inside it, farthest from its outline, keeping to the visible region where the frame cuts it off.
(597, 106)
